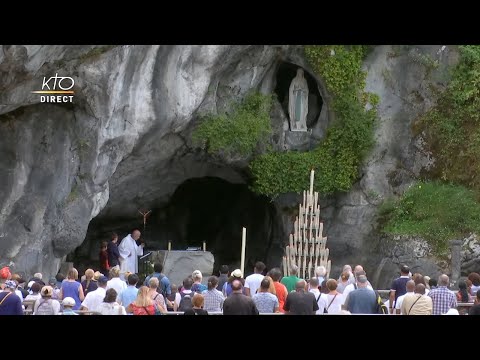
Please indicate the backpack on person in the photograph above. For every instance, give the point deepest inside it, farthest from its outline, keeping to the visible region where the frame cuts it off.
(45, 307)
(160, 286)
(380, 307)
(186, 301)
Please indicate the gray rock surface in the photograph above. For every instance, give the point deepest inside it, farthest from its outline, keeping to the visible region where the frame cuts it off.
(125, 144)
(405, 84)
(178, 265)
(122, 145)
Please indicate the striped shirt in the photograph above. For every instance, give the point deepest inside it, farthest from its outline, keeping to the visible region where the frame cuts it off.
(213, 300)
(443, 300)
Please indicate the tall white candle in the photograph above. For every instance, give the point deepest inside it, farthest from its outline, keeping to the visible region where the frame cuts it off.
(169, 245)
(312, 175)
(204, 246)
(244, 239)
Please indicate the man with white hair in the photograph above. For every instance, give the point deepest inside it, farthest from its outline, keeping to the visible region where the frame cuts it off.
(291, 281)
(197, 278)
(320, 273)
(37, 278)
(443, 299)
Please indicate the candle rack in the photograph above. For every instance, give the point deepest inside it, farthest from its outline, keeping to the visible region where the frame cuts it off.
(307, 246)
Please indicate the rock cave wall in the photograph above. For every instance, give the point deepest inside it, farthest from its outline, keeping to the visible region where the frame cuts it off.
(125, 144)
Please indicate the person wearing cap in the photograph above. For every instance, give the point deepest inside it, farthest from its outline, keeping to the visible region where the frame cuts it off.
(10, 303)
(5, 275)
(361, 300)
(46, 305)
(235, 275)
(68, 304)
(95, 298)
(197, 286)
(399, 287)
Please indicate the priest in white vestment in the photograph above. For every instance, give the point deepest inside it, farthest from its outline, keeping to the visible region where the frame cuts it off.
(129, 252)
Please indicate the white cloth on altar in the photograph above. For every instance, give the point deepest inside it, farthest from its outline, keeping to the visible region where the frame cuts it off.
(129, 252)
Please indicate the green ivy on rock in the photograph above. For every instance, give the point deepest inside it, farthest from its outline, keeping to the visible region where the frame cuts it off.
(435, 211)
(452, 128)
(237, 132)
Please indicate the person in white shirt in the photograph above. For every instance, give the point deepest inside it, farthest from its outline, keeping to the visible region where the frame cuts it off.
(95, 298)
(252, 282)
(116, 283)
(109, 306)
(349, 288)
(332, 301)
(410, 290)
(320, 273)
(351, 278)
(47, 305)
(316, 292)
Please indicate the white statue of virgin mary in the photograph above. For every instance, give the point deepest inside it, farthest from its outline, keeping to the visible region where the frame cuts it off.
(298, 102)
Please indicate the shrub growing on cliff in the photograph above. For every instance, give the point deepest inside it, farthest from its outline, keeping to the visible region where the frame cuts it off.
(338, 157)
(435, 211)
(238, 132)
(452, 128)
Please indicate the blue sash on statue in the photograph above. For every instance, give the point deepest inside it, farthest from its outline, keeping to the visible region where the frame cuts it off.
(298, 105)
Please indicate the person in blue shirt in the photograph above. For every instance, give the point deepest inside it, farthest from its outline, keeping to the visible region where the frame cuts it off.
(10, 303)
(164, 287)
(130, 293)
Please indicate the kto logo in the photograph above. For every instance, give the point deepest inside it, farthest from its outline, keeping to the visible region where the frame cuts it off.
(59, 85)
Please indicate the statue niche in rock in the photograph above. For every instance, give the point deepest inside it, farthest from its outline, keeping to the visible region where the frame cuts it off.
(298, 102)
